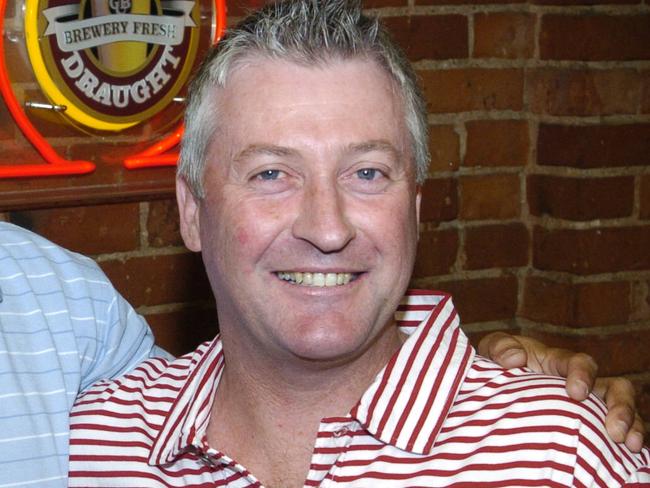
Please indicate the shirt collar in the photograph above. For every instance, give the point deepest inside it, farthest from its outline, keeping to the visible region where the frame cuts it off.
(410, 398)
(188, 417)
(405, 406)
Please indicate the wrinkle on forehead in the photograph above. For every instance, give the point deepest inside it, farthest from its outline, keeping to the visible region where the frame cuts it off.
(286, 96)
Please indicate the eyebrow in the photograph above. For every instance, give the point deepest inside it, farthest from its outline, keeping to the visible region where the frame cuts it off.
(380, 145)
(264, 149)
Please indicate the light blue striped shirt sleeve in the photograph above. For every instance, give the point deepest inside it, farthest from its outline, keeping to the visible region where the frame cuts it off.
(62, 327)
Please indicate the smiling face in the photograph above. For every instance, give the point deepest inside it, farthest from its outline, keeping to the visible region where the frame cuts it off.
(309, 224)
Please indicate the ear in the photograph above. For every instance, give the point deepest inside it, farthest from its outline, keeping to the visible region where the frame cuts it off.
(189, 210)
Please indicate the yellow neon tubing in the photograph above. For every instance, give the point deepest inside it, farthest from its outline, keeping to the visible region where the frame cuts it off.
(48, 85)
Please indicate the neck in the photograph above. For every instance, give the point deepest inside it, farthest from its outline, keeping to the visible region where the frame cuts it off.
(291, 385)
(266, 412)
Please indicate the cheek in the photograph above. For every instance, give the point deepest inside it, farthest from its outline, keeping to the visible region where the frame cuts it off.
(395, 232)
(242, 236)
(392, 219)
(250, 234)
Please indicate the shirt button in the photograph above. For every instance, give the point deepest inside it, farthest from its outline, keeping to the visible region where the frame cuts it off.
(207, 460)
(341, 432)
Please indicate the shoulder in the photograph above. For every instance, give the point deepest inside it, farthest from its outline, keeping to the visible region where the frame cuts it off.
(47, 298)
(155, 381)
(533, 411)
(136, 402)
(126, 416)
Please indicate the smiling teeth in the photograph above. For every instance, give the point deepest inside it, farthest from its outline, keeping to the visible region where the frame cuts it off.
(316, 279)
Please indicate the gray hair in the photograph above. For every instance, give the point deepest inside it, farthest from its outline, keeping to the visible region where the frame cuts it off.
(306, 32)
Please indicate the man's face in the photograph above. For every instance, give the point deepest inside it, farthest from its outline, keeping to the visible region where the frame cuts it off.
(309, 224)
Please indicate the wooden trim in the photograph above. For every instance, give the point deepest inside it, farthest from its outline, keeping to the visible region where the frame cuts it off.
(108, 184)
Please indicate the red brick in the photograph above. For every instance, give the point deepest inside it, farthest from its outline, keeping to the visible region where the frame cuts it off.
(594, 146)
(238, 8)
(437, 251)
(595, 37)
(547, 301)
(439, 200)
(88, 230)
(180, 331)
(508, 35)
(616, 353)
(464, 2)
(584, 92)
(444, 146)
(645, 92)
(592, 251)
(162, 224)
(16, 152)
(383, 3)
(642, 388)
(645, 197)
(156, 280)
(640, 300)
(584, 2)
(581, 305)
(580, 198)
(489, 197)
(497, 143)
(496, 246)
(430, 36)
(483, 300)
(600, 304)
(461, 90)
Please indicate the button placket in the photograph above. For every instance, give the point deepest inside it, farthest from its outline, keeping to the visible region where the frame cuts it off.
(216, 459)
(207, 460)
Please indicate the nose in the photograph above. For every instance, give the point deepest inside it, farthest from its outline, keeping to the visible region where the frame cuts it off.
(322, 219)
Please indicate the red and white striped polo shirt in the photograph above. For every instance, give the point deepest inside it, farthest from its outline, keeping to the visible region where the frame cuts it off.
(436, 415)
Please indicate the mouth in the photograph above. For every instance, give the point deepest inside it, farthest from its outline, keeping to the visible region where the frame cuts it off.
(306, 278)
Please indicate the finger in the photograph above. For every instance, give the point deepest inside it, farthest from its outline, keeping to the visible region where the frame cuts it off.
(504, 349)
(581, 371)
(618, 395)
(618, 422)
(634, 438)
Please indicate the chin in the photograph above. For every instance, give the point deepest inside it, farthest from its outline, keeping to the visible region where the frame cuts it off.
(328, 346)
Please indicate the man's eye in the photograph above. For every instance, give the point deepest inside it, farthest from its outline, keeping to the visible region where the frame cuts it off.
(269, 174)
(368, 174)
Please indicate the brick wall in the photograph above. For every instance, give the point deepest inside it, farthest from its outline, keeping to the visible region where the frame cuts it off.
(537, 211)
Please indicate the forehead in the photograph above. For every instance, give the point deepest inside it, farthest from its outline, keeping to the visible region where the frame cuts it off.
(264, 97)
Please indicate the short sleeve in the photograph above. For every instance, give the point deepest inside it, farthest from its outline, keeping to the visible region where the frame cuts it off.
(122, 340)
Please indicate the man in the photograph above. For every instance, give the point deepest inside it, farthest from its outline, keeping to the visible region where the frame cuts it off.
(63, 326)
(305, 143)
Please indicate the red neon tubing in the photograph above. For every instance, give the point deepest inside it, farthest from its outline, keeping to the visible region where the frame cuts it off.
(153, 155)
(57, 165)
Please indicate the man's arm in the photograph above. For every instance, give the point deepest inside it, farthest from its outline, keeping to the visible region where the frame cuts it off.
(62, 326)
(623, 421)
(124, 340)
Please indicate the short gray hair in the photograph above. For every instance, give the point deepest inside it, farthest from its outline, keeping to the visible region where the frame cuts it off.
(306, 32)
